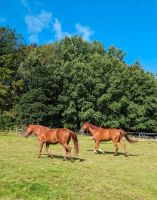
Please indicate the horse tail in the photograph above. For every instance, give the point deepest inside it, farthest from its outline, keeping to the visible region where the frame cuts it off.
(75, 141)
(129, 139)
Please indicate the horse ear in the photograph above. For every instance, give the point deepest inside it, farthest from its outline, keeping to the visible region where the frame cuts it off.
(26, 125)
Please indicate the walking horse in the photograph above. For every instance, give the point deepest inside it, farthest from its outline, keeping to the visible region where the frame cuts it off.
(107, 134)
(49, 136)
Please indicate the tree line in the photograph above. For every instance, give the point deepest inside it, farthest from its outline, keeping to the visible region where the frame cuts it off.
(71, 81)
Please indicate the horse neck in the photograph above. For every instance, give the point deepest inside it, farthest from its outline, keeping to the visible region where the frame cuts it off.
(35, 129)
(93, 126)
(91, 130)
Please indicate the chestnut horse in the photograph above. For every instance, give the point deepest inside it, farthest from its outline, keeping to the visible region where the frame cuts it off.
(53, 136)
(107, 134)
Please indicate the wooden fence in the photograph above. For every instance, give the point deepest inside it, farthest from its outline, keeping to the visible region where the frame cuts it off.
(143, 134)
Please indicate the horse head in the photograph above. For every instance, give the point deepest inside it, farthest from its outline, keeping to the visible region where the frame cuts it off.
(85, 127)
(28, 131)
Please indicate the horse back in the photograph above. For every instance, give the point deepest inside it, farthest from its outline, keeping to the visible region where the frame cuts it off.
(107, 134)
(63, 135)
(49, 136)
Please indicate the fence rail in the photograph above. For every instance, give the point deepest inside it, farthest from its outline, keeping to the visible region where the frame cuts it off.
(143, 134)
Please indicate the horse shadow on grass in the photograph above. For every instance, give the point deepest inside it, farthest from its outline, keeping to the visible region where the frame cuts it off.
(62, 157)
(112, 152)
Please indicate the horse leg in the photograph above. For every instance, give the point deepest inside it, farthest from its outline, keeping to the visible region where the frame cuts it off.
(41, 146)
(124, 148)
(67, 151)
(96, 150)
(71, 159)
(47, 151)
(66, 154)
(96, 146)
(116, 148)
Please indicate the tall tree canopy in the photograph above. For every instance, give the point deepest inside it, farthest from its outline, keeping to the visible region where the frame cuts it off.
(72, 81)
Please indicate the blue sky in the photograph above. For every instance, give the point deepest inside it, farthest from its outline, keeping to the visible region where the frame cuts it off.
(130, 25)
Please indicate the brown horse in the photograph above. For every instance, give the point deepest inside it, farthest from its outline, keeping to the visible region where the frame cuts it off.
(107, 134)
(53, 136)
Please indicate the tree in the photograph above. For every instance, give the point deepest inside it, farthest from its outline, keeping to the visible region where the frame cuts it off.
(11, 45)
(72, 81)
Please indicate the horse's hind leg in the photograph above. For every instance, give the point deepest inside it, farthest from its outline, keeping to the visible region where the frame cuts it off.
(124, 148)
(70, 154)
(67, 151)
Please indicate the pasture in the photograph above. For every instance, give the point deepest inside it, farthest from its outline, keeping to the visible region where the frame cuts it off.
(94, 176)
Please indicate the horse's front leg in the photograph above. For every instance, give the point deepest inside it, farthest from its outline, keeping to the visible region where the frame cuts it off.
(47, 151)
(97, 150)
(41, 146)
(116, 148)
(97, 142)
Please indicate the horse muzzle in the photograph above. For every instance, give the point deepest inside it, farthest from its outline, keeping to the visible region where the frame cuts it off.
(25, 135)
(82, 130)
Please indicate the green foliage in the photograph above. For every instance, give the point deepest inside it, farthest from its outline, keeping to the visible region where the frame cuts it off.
(11, 85)
(72, 81)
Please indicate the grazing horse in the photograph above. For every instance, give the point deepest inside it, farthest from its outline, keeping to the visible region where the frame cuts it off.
(53, 136)
(107, 134)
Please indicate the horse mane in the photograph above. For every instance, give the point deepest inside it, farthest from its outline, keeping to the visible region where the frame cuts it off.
(31, 125)
(37, 125)
(92, 130)
(92, 126)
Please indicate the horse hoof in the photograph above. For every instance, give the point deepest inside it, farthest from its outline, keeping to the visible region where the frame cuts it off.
(72, 160)
(99, 151)
(126, 155)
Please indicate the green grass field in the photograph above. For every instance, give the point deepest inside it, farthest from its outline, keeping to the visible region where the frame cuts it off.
(92, 177)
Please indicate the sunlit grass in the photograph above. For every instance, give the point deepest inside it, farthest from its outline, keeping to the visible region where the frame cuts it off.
(92, 177)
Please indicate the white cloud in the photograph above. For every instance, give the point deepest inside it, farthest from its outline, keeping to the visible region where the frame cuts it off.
(2, 19)
(59, 34)
(85, 31)
(25, 3)
(36, 23)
